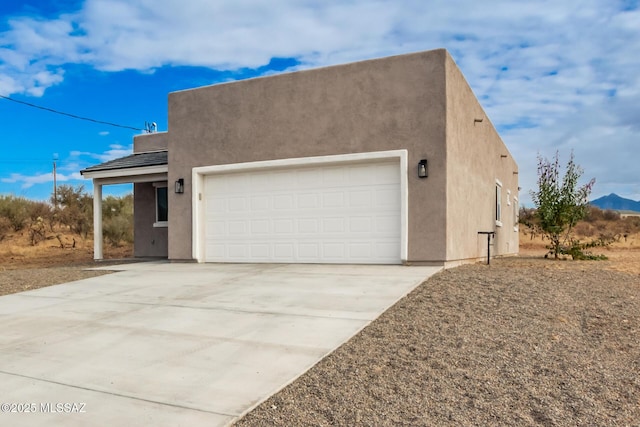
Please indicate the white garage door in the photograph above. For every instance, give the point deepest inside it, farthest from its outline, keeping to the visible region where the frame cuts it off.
(324, 214)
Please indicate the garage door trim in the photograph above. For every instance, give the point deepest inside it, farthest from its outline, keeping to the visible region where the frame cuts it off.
(199, 173)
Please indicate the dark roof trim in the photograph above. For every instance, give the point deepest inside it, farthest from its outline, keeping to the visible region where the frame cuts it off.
(138, 160)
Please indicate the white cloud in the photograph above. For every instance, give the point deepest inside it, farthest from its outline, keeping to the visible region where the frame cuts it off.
(114, 151)
(68, 168)
(28, 181)
(551, 75)
(103, 133)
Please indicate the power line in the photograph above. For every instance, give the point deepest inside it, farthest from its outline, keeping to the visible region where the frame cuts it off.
(68, 114)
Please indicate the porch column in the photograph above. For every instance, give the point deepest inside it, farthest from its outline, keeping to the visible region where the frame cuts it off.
(97, 220)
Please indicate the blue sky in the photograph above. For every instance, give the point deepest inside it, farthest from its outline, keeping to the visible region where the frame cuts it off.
(551, 75)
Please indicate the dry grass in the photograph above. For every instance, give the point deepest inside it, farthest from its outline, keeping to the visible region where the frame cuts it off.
(25, 267)
(624, 253)
(59, 248)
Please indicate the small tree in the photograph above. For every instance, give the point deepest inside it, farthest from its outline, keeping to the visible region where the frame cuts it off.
(560, 204)
(75, 209)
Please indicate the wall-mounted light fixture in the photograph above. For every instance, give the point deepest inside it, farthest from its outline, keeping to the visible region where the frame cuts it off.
(180, 186)
(423, 172)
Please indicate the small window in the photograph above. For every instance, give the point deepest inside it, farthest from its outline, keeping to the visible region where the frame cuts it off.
(498, 203)
(162, 207)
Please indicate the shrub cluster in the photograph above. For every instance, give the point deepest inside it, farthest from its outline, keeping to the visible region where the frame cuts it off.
(72, 209)
(601, 227)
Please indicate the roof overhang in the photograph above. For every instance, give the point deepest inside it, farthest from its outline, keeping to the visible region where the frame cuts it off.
(132, 175)
(137, 167)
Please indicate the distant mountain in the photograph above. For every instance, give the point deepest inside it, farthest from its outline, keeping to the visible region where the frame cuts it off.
(616, 203)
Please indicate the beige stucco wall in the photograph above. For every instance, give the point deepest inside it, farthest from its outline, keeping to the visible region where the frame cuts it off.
(419, 102)
(477, 157)
(387, 104)
(149, 241)
(151, 142)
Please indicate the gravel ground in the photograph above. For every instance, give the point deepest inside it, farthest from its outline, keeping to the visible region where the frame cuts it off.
(521, 342)
(524, 341)
(14, 279)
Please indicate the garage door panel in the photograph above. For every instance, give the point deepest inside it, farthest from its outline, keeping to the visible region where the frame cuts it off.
(333, 176)
(360, 250)
(261, 226)
(308, 226)
(283, 252)
(386, 176)
(387, 196)
(360, 224)
(308, 201)
(333, 199)
(260, 203)
(360, 199)
(237, 251)
(283, 226)
(309, 251)
(328, 214)
(237, 204)
(215, 228)
(310, 178)
(360, 175)
(334, 250)
(262, 251)
(216, 251)
(387, 225)
(333, 225)
(283, 202)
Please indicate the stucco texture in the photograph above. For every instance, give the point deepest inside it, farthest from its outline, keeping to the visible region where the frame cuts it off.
(404, 102)
(477, 158)
(149, 241)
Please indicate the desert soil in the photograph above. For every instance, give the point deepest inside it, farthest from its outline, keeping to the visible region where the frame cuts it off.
(523, 341)
(24, 267)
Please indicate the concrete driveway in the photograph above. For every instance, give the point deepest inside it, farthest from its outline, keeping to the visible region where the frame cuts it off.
(168, 344)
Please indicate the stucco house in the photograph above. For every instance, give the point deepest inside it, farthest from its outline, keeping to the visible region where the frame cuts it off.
(385, 161)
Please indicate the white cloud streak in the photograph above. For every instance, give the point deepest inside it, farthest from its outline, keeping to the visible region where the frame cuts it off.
(28, 181)
(68, 169)
(551, 75)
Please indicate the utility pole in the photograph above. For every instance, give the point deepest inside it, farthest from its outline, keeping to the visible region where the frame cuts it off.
(55, 187)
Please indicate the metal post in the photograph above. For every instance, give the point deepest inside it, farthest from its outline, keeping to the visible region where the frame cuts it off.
(488, 249)
(55, 187)
(489, 234)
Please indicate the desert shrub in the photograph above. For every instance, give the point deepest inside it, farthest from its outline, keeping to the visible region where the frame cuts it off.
(579, 250)
(117, 214)
(584, 229)
(37, 231)
(15, 210)
(601, 226)
(527, 217)
(39, 210)
(5, 227)
(631, 224)
(75, 209)
(594, 213)
(610, 215)
(117, 230)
